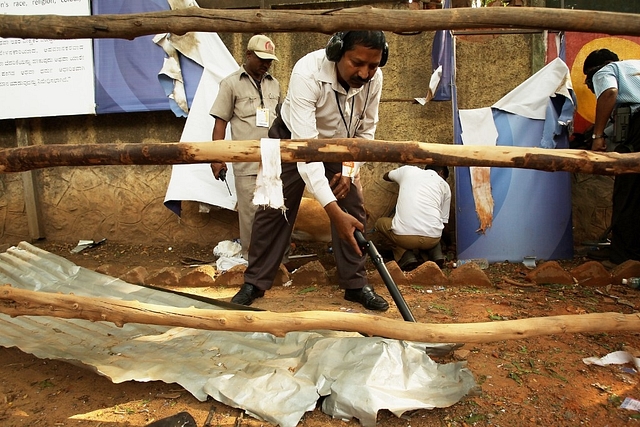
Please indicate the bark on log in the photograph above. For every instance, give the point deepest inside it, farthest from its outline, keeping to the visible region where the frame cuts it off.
(130, 26)
(20, 302)
(21, 159)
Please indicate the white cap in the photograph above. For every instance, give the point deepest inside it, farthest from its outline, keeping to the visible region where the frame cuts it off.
(262, 46)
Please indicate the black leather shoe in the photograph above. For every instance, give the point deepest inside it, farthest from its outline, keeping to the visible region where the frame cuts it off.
(247, 294)
(367, 297)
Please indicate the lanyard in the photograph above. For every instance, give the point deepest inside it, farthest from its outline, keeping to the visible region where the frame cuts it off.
(258, 87)
(342, 115)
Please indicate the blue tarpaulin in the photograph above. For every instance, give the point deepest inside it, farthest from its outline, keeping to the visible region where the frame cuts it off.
(530, 210)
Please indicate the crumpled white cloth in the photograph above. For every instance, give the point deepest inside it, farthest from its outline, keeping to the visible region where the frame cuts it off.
(227, 248)
(230, 255)
(268, 183)
(227, 263)
(531, 97)
(434, 82)
(172, 70)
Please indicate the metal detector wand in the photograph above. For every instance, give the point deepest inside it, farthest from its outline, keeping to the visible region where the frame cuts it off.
(223, 178)
(367, 245)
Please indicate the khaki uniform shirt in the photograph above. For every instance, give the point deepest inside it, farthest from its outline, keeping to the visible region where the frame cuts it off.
(237, 102)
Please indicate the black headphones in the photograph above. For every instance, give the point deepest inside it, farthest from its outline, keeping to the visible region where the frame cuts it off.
(336, 44)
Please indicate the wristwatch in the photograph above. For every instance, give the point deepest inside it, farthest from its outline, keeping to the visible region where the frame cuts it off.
(594, 136)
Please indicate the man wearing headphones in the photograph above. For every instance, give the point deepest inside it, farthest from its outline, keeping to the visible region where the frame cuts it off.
(617, 83)
(333, 93)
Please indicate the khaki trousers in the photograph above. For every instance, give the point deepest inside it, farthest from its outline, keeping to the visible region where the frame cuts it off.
(402, 243)
(245, 187)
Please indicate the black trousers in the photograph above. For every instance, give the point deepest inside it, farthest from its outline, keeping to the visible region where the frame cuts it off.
(272, 230)
(625, 217)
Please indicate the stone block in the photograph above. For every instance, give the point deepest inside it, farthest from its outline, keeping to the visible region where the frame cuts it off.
(109, 270)
(135, 276)
(397, 275)
(549, 272)
(428, 274)
(311, 273)
(461, 354)
(469, 275)
(625, 270)
(233, 277)
(165, 277)
(591, 273)
(199, 277)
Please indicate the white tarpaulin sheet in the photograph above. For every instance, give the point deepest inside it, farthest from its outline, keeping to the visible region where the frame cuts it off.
(274, 379)
(196, 182)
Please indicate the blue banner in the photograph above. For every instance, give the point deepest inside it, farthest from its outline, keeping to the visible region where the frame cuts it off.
(442, 55)
(522, 212)
(532, 209)
(126, 71)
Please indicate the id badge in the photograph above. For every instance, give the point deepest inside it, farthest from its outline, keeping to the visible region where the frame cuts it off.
(262, 117)
(349, 169)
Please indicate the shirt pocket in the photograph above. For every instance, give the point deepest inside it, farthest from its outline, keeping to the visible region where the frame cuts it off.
(246, 106)
(271, 100)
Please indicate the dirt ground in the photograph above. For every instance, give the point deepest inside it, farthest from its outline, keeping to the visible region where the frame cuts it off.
(537, 381)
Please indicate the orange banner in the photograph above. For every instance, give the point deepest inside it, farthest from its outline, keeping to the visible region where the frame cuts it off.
(578, 46)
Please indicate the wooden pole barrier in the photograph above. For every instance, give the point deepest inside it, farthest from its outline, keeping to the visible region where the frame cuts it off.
(21, 159)
(181, 21)
(20, 302)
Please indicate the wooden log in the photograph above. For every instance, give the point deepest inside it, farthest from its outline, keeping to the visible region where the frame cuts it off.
(181, 21)
(20, 302)
(329, 150)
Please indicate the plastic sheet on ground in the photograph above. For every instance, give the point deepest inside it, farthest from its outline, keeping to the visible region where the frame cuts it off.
(276, 379)
(614, 358)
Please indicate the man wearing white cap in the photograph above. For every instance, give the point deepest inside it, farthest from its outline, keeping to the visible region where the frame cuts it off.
(247, 100)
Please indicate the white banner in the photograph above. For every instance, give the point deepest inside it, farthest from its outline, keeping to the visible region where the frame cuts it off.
(40, 78)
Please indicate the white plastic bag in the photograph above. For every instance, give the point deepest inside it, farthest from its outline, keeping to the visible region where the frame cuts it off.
(227, 248)
(225, 263)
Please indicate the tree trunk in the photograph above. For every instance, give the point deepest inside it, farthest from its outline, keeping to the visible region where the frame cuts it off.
(181, 21)
(329, 150)
(20, 302)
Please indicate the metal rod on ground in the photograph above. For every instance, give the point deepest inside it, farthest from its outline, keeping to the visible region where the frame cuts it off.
(209, 420)
(375, 256)
(213, 301)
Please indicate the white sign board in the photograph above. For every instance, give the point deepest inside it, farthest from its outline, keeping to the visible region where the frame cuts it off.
(41, 78)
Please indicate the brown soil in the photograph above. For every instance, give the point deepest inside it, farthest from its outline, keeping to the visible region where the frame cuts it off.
(537, 381)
